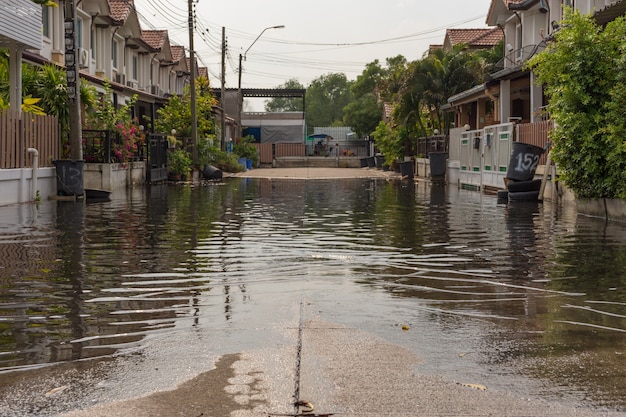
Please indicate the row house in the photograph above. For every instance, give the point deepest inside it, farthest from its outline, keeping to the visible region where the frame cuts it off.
(510, 105)
(113, 47)
(511, 93)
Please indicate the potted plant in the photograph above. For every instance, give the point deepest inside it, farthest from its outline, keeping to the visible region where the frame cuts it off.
(245, 148)
(178, 164)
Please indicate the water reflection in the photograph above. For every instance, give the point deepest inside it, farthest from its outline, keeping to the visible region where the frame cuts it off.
(532, 291)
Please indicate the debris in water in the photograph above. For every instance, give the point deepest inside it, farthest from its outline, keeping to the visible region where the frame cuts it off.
(55, 391)
(475, 386)
(306, 406)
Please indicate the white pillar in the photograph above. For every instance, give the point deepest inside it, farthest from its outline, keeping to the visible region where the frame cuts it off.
(15, 77)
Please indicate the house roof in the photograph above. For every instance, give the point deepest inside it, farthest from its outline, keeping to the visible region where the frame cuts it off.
(610, 12)
(474, 38)
(120, 9)
(499, 8)
(178, 52)
(154, 38)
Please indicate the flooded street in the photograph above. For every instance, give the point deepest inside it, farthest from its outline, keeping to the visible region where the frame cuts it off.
(114, 300)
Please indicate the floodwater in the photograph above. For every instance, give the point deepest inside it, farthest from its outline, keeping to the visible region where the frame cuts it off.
(525, 297)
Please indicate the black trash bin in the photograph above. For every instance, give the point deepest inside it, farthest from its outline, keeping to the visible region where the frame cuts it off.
(380, 160)
(371, 162)
(70, 174)
(406, 169)
(523, 162)
(211, 173)
(437, 164)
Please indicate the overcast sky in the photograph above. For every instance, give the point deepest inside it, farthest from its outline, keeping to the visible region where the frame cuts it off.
(320, 37)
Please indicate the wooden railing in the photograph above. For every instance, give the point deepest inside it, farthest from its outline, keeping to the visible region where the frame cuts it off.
(17, 134)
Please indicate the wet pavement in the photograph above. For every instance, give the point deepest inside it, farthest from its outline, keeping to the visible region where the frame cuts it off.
(353, 296)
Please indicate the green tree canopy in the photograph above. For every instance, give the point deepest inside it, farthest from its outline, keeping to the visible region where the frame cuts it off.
(285, 104)
(326, 97)
(582, 72)
(176, 113)
(420, 90)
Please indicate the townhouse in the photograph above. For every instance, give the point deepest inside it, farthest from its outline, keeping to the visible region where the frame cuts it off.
(112, 47)
(510, 105)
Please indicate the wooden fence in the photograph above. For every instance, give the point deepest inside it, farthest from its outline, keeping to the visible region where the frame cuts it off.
(535, 134)
(17, 134)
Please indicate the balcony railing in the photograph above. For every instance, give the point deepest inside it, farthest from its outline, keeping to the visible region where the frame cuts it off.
(517, 57)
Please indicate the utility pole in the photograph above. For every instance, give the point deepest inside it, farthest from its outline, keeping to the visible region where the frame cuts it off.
(223, 94)
(73, 81)
(239, 91)
(192, 63)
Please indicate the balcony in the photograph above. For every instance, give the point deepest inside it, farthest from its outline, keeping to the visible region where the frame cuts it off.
(514, 58)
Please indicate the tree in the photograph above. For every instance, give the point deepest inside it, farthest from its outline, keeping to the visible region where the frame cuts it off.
(176, 113)
(285, 104)
(326, 98)
(582, 73)
(365, 111)
(363, 114)
(426, 86)
(375, 86)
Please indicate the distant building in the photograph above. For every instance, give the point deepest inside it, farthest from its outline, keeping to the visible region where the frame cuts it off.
(337, 133)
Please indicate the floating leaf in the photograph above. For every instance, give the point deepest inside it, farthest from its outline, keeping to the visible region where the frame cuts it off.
(55, 391)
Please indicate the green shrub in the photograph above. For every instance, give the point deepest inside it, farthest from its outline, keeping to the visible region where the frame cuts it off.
(244, 148)
(178, 161)
(227, 162)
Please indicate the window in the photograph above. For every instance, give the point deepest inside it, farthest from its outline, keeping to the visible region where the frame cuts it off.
(135, 67)
(45, 21)
(114, 53)
(566, 3)
(518, 42)
(92, 44)
(79, 33)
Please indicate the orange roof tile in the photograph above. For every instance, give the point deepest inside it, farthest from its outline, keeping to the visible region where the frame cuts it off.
(475, 37)
(154, 38)
(120, 9)
(178, 52)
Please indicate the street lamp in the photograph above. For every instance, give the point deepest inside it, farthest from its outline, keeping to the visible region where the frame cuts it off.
(241, 58)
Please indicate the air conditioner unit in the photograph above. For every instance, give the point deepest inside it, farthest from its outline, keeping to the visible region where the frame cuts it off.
(83, 57)
(156, 90)
(120, 78)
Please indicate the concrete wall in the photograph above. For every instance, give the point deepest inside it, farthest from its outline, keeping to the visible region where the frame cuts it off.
(16, 185)
(113, 176)
(317, 162)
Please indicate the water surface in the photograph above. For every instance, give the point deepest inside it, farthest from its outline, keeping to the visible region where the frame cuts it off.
(525, 297)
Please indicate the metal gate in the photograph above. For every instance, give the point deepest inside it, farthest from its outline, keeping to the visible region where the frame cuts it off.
(157, 158)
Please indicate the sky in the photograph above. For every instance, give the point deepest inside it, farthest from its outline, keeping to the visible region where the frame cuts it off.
(319, 38)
